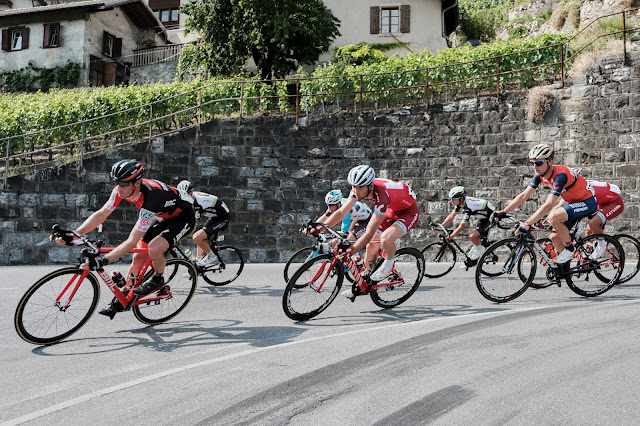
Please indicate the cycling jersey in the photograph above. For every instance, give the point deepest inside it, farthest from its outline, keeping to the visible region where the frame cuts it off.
(358, 212)
(155, 199)
(566, 183)
(209, 206)
(604, 192)
(474, 207)
(389, 195)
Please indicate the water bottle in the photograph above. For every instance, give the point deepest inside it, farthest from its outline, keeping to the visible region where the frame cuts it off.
(358, 261)
(190, 255)
(118, 279)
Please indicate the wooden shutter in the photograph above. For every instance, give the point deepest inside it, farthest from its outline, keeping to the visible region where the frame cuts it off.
(405, 18)
(117, 48)
(6, 40)
(105, 39)
(47, 30)
(25, 38)
(374, 24)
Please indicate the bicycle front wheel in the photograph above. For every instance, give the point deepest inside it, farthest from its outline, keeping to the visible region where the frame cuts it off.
(298, 259)
(56, 306)
(230, 266)
(591, 277)
(405, 278)
(180, 281)
(312, 288)
(631, 248)
(439, 259)
(505, 270)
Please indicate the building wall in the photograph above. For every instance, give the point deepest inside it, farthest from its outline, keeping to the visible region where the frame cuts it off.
(274, 176)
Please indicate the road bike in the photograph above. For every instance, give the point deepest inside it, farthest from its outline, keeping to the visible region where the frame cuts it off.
(518, 257)
(440, 257)
(316, 284)
(229, 267)
(305, 254)
(631, 247)
(61, 302)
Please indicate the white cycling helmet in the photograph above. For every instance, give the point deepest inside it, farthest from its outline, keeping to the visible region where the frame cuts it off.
(541, 151)
(185, 186)
(456, 192)
(333, 197)
(361, 175)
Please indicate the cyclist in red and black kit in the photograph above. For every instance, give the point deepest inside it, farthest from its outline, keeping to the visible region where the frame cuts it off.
(163, 220)
(564, 182)
(395, 213)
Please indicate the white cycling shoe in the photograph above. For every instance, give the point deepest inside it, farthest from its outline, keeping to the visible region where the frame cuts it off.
(207, 260)
(383, 271)
(599, 246)
(564, 257)
(476, 252)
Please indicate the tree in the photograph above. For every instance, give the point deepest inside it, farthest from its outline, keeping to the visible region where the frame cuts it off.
(279, 35)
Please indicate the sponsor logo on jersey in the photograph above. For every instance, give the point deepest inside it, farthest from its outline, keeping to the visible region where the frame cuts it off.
(146, 214)
(170, 203)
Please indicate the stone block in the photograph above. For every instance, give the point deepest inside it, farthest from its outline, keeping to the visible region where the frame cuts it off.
(255, 205)
(584, 92)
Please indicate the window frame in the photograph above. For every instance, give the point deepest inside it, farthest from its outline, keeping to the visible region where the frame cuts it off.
(390, 26)
(46, 41)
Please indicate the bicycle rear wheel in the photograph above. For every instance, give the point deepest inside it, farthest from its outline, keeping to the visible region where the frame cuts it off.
(439, 259)
(588, 277)
(406, 276)
(181, 279)
(39, 319)
(298, 259)
(505, 270)
(230, 266)
(312, 288)
(631, 248)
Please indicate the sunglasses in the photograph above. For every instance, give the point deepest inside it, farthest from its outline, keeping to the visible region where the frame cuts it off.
(123, 184)
(537, 163)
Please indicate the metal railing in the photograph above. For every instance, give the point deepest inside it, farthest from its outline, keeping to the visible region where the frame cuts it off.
(155, 55)
(36, 150)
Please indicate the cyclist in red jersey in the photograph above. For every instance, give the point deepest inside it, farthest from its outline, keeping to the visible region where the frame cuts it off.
(565, 183)
(164, 218)
(395, 213)
(610, 205)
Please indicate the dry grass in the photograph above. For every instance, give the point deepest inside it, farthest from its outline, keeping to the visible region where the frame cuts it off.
(539, 104)
(558, 18)
(588, 59)
(573, 14)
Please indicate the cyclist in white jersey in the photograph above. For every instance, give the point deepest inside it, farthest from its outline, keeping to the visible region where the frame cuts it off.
(218, 217)
(355, 221)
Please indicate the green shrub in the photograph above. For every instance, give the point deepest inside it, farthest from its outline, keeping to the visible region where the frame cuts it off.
(518, 32)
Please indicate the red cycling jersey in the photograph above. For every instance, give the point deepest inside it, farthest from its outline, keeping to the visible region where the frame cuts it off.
(389, 195)
(566, 183)
(605, 192)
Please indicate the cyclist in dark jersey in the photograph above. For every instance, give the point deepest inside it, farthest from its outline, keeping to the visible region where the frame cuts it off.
(164, 218)
(564, 182)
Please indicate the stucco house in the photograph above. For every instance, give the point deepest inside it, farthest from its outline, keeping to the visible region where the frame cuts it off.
(100, 35)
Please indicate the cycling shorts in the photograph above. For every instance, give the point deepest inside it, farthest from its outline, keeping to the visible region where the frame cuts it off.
(580, 209)
(611, 210)
(172, 230)
(214, 225)
(483, 227)
(405, 219)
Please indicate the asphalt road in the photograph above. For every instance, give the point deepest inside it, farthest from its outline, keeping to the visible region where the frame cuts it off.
(446, 356)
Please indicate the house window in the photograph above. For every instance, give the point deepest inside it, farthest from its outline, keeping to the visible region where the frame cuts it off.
(51, 35)
(390, 20)
(166, 11)
(15, 38)
(168, 16)
(111, 45)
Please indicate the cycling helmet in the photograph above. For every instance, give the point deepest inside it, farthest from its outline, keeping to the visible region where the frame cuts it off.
(541, 151)
(127, 171)
(333, 197)
(185, 186)
(456, 192)
(361, 175)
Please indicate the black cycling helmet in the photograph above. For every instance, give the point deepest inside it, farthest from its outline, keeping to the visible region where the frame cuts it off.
(127, 171)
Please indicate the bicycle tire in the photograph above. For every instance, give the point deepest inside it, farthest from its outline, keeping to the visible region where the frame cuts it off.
(409, 269)
(312, 288)
(609, 267)
(182, 285)
(228, 270)
(296, 260)
(496, 278)
(40, 321)
(631, 247)
(439, 258)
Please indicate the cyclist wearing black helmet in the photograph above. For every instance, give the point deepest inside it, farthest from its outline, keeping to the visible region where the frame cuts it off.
(155, 200)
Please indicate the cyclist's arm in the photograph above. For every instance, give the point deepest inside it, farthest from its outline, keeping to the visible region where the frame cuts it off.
(339, 214)
(458, 230)
(368, 235)
(126, 246)
(519, 199)
(544, 209)
(449, 218)
(93, 221)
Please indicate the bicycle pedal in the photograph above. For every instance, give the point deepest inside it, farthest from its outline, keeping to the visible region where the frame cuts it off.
(164, 291)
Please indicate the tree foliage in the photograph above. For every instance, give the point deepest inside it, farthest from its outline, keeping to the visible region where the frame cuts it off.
(279, 35)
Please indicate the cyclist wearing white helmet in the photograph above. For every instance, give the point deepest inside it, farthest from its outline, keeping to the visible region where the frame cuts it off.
(470, 206)
(565, 183)
(395, 213)
(218, 217)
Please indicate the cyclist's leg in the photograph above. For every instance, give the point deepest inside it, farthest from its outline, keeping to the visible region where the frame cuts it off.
(595, 224)
(559, 220)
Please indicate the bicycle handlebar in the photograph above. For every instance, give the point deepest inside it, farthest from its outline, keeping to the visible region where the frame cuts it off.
(93, 246)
